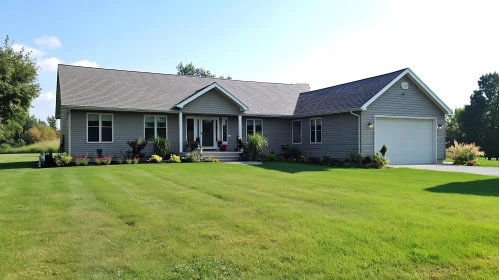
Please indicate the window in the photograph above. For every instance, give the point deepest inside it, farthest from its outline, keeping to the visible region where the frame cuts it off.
(316, 130)
(225, 132)
(99, 128)
(254, 126)
(154, 126)
(296, 132)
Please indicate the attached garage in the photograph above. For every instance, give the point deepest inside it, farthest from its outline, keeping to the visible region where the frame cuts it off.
(409, 140)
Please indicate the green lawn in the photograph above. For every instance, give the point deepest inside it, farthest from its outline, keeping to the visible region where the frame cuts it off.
(482, 161)
(275, 221)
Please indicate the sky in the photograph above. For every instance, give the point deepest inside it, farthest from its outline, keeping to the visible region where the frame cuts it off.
(448, 44)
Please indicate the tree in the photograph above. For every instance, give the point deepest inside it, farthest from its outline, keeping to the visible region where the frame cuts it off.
(191, 70)
(454, 130)
(52, 122)
(18, 83)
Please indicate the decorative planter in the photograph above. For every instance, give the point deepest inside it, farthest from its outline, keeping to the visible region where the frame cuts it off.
(223, 148)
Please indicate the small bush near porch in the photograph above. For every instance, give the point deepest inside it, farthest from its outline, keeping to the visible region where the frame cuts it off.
(277, 220)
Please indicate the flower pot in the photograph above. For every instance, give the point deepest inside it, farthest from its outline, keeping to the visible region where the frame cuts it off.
(223, 148)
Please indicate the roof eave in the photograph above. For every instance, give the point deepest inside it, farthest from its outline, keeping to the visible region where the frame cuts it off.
(214, 85)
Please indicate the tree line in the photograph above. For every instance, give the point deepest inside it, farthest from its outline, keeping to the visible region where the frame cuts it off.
(478, 122)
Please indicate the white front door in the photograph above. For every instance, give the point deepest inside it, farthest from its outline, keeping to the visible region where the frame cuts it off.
(409, 140)
(206, 128)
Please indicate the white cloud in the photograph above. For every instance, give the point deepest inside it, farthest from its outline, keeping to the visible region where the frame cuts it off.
(34, 52)
(48, 41)
(86, 63)
(49, 64)
(44, 105)
(46, 97)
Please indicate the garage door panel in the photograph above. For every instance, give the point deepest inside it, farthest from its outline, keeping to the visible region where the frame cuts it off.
(409, 141)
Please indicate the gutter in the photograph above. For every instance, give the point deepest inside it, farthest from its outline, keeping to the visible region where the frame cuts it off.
(358, 117)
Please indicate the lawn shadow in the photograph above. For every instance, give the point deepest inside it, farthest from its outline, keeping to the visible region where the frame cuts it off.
(18, 165)
(293, 168)
(489, 187)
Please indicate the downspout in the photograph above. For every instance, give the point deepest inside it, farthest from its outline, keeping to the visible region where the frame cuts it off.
(358, 117)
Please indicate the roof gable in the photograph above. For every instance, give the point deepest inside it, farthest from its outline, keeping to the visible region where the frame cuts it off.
(206, 89)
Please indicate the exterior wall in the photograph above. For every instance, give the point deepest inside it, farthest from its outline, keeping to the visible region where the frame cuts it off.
(126, 126)
(398, 102)
(212, 102)
(276, 130)
(339, 136)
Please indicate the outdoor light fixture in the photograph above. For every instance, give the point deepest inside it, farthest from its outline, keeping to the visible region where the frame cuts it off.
(370, 124)
(440, 126)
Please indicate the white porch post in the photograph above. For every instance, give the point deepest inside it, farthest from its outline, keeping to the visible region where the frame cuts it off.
(180, 134)
(240, 126)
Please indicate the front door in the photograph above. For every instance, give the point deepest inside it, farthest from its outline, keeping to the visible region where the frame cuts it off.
(208, 133)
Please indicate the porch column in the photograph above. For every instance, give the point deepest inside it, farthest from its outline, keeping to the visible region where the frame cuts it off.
(180, 134)
(240, 126)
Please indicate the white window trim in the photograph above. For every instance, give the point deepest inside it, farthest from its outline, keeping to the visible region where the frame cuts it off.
(310, 137)
(100, 128)
(292, 131)
(246, 125)
(156, 124)
(222, 131)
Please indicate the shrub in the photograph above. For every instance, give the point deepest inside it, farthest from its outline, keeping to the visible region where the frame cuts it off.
(98, 160)
(33, 135)
(174, 159)
(461, 152)
(325, 159)
(107, 160)
(256, 144)
(304, 159)
(47, 133)
(81, 161)
(161, 146)
(290, 152)
(135, 160)
(367, 160)
(355, 157)
(378, 159)
(63, 159)
(137, 146)
(270, 157)
(119, 159)
(211, 159)
(155, 158)
(472, 163)
(5, 146)
(128, 161)
(195, 156)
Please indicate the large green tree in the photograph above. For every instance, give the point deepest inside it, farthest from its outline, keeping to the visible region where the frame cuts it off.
(191, 70)
(52, 122)
(18, 86)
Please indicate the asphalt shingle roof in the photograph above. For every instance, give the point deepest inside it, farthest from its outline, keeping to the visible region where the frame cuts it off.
(120, 89)
(349, 96)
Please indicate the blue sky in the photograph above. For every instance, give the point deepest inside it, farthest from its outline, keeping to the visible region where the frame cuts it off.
(449, 44)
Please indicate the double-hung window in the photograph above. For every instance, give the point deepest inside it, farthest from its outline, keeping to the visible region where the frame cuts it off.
(154, 126)
(99, 128)
(316, 130)
(225, 132)
(296, 131)
(254, 126)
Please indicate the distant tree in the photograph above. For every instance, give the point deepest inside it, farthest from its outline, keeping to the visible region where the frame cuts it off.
(191, 70)
(52, 122)
(31, 121)
(454, 130)
(18, 84)
(33, 135)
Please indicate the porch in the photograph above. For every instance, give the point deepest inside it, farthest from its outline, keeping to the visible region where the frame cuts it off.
(222, 156)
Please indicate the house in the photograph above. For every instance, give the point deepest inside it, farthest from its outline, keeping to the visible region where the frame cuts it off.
(105, 108)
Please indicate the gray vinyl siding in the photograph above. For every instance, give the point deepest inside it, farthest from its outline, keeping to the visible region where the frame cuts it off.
(126, 126)
(276, 130)
(412, 102)
(339, 136)
(212, 102)
(64, 127)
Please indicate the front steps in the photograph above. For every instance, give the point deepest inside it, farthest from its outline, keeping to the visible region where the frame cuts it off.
(222, 156)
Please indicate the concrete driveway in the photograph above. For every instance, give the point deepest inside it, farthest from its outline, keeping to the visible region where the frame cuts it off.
(490, 171)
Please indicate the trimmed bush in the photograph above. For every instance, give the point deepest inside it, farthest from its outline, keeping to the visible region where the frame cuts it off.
(155, 159)
(174, 159)
(355, 157)
(63, 160)
(462, 153)
(270, 157)
(195, 156)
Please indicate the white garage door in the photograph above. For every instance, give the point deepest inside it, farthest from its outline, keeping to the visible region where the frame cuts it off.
(409, 141)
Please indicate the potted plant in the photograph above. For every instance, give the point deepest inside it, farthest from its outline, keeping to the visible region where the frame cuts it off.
(219, 142)
(223, 147)
(194, 145)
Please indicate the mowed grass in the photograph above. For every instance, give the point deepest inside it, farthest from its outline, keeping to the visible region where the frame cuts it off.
(482, 162)
(225, 221)
(40, 147)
